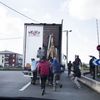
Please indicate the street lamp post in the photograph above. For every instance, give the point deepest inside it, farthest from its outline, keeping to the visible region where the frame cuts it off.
(97, 34)
(67, 31)
(98, 41)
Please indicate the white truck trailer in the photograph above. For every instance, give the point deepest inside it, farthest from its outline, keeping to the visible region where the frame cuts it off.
(41, 35)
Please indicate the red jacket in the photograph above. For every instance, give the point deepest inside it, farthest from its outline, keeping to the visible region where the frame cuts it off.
(44, 68)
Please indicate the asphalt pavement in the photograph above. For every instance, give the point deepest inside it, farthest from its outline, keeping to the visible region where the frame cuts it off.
(14, 84)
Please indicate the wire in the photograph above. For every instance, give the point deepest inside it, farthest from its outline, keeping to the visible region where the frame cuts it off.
(18, 12)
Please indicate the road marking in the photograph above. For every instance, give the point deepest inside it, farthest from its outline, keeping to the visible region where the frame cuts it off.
(24, 87)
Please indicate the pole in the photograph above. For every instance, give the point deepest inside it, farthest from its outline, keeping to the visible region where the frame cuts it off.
(67, 31)
(97, 34)
(67, 47)
(98, 40)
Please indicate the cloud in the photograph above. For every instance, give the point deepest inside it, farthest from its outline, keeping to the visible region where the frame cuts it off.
(46, 17)
(84, 9)
(25, 10)
(9, 25)
(64, 5)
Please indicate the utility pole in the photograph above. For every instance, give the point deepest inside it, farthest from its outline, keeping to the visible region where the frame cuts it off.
(98, 41)
(67, 31)
(97, 34)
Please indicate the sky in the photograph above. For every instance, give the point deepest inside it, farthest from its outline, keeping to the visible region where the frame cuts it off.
(78, 15)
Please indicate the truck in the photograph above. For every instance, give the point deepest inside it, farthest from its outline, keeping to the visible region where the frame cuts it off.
(48, 36)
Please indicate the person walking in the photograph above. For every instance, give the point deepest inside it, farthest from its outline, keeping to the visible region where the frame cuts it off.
(69, 68)
(50, 78)
(92, 67)
(78, 62)
(76, 74)
(43, 70)
(34, 70)
(56, 73)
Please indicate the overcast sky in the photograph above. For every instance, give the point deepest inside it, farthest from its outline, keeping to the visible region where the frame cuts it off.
(78, 15)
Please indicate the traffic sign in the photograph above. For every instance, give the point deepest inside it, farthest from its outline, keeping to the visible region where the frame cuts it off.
(96, 62)
(98, 47)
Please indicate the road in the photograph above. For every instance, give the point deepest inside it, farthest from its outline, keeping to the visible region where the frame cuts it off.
(14, 84)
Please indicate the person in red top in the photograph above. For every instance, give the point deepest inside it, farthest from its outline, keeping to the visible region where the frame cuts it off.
(43, 70)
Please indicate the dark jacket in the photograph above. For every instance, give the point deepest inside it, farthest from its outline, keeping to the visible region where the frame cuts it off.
(69, 65)
(76, 70)
(91, 63)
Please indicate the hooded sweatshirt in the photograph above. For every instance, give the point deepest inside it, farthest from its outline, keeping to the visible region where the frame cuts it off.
(56, 66)
(43, 68)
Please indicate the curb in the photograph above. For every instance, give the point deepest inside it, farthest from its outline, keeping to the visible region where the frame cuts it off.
(93, 84)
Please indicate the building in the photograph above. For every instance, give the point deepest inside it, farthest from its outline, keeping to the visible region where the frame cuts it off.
(10, 59)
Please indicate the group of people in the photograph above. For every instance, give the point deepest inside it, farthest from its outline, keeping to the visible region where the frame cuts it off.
(48, 70)
(75, 68)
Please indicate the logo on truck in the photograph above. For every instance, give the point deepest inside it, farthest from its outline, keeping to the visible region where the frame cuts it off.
(33, 33)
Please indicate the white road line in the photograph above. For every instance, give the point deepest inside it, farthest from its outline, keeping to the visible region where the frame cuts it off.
(24, 87)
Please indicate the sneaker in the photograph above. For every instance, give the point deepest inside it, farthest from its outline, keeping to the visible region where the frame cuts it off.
(79, 87)
(60, 86)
